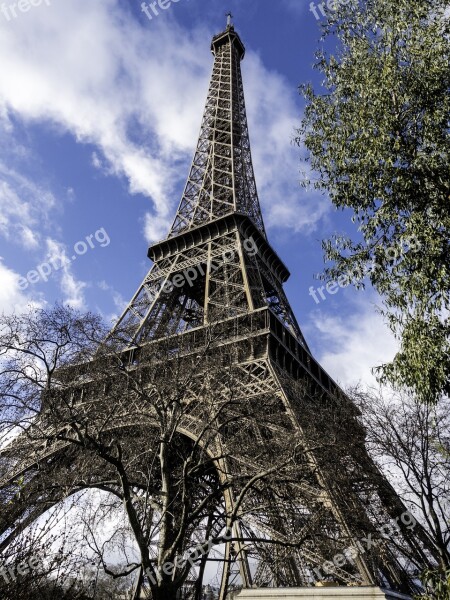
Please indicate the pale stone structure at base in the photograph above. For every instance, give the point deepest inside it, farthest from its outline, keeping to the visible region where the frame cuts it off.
(321, 593)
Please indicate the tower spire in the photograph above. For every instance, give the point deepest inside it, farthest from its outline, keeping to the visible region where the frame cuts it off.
(229, 17)
(221, 179)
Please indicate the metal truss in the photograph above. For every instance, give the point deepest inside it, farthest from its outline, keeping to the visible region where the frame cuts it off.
(229, 273)
(221, 180)
(216, 271)
(283, 534)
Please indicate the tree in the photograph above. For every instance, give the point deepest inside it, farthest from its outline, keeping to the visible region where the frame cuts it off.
(378, 138)
(437, 583)
(93, 416)
(193, 457)
(410, 441)
(39, 563)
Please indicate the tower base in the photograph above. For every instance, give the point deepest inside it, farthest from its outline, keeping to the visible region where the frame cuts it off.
(321, 593)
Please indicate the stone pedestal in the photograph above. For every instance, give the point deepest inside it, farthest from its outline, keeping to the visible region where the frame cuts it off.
(321, 593)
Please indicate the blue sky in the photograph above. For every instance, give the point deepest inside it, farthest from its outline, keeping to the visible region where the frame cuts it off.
(100, 110)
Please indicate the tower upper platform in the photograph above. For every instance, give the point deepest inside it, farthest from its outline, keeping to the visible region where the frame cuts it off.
(229, 36)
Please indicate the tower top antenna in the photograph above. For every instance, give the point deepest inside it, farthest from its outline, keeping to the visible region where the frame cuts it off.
(229, 17)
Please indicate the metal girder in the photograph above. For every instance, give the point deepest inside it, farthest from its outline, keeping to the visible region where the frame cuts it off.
(221, 179)
(218, 272)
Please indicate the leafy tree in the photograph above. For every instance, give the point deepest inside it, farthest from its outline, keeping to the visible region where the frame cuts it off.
(378, 138)
(437, 583)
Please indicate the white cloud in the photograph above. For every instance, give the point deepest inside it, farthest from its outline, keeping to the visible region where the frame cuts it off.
(12, 299)
(273, 117)
(155, 227)
(71, 288)
(96, 162)
(5, 122)
(29, 238)
(119, 301)
(352, 345)
(96, 72)
(24, 206)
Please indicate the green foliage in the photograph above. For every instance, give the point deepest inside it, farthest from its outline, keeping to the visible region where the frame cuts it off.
(437, 583)
(20, 484)
(378, 137)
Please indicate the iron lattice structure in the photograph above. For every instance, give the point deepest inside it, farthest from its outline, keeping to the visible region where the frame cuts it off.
(217, 271)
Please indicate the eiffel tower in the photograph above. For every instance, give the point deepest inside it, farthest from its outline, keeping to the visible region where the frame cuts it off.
(216, 277)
